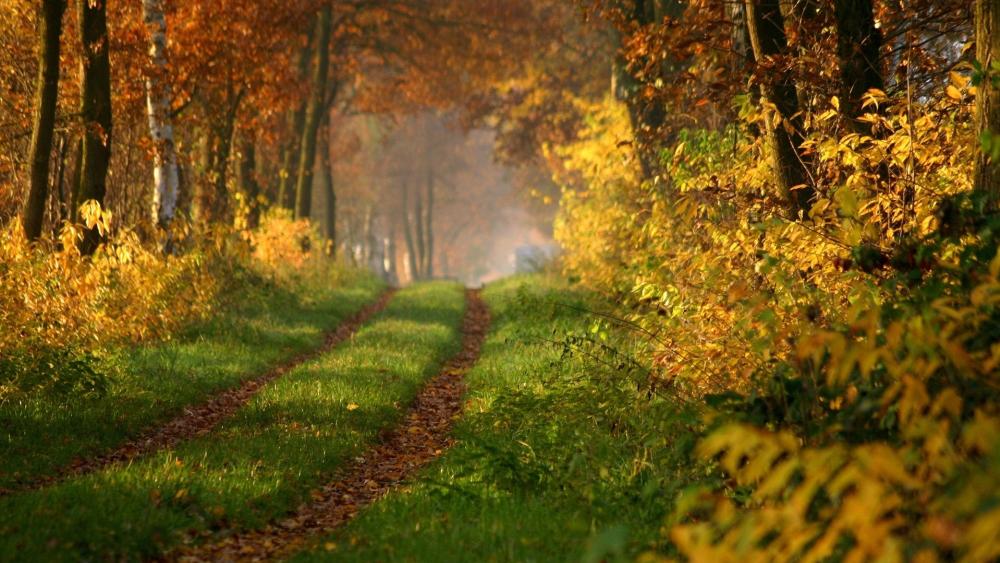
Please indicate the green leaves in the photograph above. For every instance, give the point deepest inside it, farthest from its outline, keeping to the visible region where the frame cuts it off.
(989, 143)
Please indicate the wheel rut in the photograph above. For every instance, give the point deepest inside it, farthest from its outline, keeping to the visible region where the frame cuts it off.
(199, 419)
(423, 435)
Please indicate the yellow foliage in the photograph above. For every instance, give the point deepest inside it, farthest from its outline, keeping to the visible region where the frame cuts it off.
(52, 298)
(886, 449)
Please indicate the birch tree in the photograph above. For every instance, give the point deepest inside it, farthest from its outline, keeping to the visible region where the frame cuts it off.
(166, 181)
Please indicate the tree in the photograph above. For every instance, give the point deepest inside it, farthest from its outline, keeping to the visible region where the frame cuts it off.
(46, 95)
(330, 193)
(418, 236)
(986, 178)
(858, 45)
(411, 248)
(95, 109)
(648, 116)
(428, 258)
(249, 184)
(767, 37)
(166, 180)
(296, 122)
(314, 116)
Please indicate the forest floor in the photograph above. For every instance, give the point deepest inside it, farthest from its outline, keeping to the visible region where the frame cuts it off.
(429, 424)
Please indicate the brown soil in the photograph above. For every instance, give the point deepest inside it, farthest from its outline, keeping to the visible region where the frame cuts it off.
(422, 436)
(199, 419)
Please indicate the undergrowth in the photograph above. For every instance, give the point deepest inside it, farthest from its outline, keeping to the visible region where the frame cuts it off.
(61, 313)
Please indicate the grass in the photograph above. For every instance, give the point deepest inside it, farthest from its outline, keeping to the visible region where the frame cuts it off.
(150, 384)
(257, 466)
(557, 458)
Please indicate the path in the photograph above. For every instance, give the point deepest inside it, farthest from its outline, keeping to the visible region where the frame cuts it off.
(199, 419)
(423, 436)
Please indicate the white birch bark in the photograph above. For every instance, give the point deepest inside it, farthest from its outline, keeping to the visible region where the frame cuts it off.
(165, 175)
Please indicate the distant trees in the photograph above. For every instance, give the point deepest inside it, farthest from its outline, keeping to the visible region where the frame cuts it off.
(237, 105)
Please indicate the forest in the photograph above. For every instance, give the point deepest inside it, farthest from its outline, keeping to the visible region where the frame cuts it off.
(500, 280)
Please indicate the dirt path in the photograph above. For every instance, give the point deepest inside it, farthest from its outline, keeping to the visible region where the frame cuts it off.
(422, 436)
(201, 418)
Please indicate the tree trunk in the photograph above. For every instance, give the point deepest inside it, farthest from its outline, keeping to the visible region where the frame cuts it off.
(46, 96)
(858, 45)
(330, 193)
(418, 237)
(219, 208)
(376, 246)
(411, 251)
(314, 117)
(742, 52)
(767, 37)
(646, 117)
(73, 182)
(296, 122)
(248, 179)
(62, 206)
(986, 179)
(205, 169)
(366, 237)
(95, 110)
(392, 274)
(429, 227)
(166, 179)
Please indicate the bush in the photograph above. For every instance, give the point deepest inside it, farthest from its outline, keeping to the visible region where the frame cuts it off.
(60, 311)
(848, 359)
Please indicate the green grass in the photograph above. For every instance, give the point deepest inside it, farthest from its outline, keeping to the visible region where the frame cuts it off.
(558, 458)
(257, 466)
(264, 326)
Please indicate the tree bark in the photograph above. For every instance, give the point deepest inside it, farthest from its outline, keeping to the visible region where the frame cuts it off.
(73, 182)
(46, 96)
(296, 123)
(986, 178)
(314, 117)
(858, 45)
(767, 37)
(62, 206)
(166, 179)
(95, 110)
(742, 52)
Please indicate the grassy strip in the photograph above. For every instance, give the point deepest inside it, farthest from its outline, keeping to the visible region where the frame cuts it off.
(259, 465)
(557, 459)
(266, 325)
